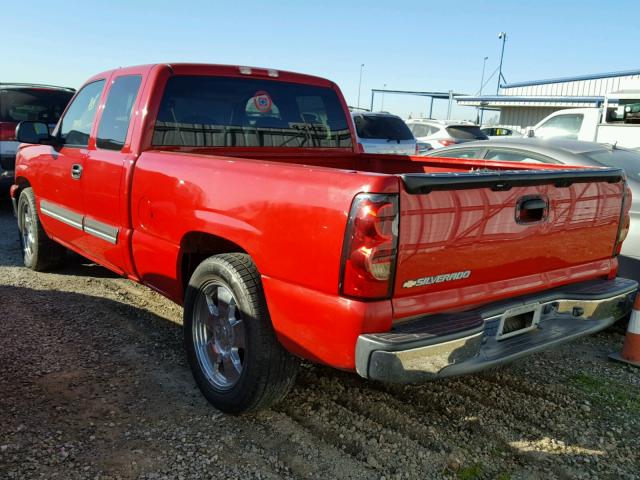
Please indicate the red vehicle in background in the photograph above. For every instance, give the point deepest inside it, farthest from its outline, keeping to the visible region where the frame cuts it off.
(239, 193)
(25, 101)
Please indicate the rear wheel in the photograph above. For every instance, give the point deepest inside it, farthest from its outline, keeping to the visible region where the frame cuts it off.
(39, 252)
(234, 354)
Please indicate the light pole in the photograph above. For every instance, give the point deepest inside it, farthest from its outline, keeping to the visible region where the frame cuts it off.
(502, 36)
(382, 102)
(360, 84)
(484, 64)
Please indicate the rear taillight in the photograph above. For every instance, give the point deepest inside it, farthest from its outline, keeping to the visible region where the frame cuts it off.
(446, 143)
(8, 131)
(625, 220)
(417, 149)
(370, 246)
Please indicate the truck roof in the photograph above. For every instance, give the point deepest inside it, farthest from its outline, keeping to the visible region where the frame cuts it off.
(225, 70)
(19, 85)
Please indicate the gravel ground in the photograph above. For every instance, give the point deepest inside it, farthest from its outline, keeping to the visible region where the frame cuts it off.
(94, 384)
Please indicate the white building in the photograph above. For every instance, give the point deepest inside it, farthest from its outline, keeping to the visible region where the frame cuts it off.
(524, 104)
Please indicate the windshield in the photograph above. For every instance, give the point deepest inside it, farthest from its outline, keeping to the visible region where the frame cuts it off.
(35, 104)
(628, 160)
(382, 127)
(238, 112)
(466, 132)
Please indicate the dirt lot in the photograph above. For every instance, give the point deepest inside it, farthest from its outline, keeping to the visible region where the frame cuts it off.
(94, 384)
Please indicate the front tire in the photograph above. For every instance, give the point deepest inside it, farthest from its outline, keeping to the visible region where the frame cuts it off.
(234, 354)
(39, 252)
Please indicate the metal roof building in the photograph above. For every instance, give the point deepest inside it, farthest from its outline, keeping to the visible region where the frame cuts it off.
(524, 104)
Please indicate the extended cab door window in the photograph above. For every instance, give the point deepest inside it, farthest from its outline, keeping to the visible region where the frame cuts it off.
(114, 123)
(567, 126)
(77, 122)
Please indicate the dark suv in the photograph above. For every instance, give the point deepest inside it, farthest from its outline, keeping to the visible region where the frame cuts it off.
(25, 101)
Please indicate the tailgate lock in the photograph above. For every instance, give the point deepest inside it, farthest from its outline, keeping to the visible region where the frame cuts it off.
(532, 209)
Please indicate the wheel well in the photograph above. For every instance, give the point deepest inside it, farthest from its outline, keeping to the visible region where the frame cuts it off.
(197, 246)
(22, 184)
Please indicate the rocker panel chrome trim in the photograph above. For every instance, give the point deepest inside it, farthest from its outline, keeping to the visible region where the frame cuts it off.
(61, 214)
(93, 227)
(101, 230)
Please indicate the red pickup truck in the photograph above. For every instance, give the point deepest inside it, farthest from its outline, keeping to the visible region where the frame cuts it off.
(241, 194)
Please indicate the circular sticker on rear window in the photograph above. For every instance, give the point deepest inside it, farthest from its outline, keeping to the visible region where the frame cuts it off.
(262, 101)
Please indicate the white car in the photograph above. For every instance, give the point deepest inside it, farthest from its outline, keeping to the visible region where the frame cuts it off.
(383, 133)
(443, 133)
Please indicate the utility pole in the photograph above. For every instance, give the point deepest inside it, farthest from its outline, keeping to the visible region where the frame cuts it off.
(360, 84)
(503, 37)
(382, 102)
(484, 64)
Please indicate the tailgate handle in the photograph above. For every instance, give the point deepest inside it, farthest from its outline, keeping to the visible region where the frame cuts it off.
(532, 209)
(76, 171)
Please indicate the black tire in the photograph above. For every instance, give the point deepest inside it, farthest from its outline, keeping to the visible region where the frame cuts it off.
(43, 253)
(268, 371)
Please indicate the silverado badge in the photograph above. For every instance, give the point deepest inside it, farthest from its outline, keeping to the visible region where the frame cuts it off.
(445, 277)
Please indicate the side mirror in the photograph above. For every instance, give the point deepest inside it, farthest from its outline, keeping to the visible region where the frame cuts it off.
(531, 132)
(34, 132)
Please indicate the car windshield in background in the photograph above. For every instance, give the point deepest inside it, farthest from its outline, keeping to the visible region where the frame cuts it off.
(466, 132)
(382, 127)
(626, 159)
(200, 111)
(35, 104)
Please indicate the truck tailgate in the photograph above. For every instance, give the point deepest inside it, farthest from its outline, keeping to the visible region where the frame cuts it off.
(475, 237)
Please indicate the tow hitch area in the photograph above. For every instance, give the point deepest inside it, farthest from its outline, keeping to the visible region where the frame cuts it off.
(516, 321)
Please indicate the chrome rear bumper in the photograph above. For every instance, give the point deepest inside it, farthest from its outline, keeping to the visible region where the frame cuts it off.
(447, 345)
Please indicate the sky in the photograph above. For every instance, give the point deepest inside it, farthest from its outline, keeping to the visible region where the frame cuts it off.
(403, 44)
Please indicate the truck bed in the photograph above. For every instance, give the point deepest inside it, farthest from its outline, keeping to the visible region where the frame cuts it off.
(265, 201)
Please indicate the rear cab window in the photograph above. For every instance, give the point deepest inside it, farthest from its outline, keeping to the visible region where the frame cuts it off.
(202, 111)
(385, 127)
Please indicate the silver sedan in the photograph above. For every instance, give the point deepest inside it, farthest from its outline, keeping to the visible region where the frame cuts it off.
(570, 152)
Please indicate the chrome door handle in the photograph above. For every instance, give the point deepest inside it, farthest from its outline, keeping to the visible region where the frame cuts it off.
(76, 171)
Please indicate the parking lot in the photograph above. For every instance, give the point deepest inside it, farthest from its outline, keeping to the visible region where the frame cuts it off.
(95, 385)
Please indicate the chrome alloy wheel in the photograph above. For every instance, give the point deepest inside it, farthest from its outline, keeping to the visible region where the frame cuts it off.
(219, 335)
(28, 236)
